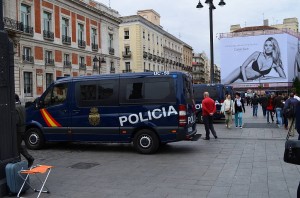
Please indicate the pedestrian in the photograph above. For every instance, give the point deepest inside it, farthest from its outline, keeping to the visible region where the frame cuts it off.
(285, 120)
(20, 127)
(255, 105)
(208, 110)
(264, 102)
(270, 108)
(298, 130)
(238, 109)
(290, 106)
(278, 105)
(227, 109)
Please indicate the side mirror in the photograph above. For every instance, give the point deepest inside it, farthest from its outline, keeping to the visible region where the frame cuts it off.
(38, 103)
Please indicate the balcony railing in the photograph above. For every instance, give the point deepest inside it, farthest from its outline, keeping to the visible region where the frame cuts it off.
(126, 55)
(67, 64)
(66, 40)
(112, 70)
(111, 51)
(127, 70)
(158, 59)
(162, 60)
(145, 54)
(149, 56)
(48, 35)
(82, 66)
(154, 58)
(81, 43)
(167, 60)
(94, 47)
(27, 59)
(49, 61)
(28, 30)
(12, 24)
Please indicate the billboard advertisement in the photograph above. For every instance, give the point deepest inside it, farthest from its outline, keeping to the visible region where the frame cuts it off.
(259, 59)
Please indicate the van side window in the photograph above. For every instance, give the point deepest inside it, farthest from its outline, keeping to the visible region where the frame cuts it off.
(56, 95)
(148, 90)
(97, 93)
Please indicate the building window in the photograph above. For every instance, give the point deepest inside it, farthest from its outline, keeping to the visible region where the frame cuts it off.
(127, 66)
(94, 36)
(127, 50)
(49, 79)
(28, 84)
(67, 62)
(80, 32)
(47, 21)
(148, 37)
(25, 15)
(48, 58)
(65, 27)
(126, 34)
(27, 55)
(143, 34)
(111, 38)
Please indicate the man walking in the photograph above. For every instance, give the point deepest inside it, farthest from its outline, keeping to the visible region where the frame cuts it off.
(278, 104)
(20, 126)
(208, 110)
(255, 105)
(264, 103)
(290, 110)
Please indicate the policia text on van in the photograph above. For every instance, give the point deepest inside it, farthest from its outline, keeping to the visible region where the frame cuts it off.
(147, 109)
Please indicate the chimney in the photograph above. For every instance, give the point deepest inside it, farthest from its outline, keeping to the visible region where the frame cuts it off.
(266, 22)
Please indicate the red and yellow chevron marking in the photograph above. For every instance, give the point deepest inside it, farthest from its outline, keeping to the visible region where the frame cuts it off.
(50, 121)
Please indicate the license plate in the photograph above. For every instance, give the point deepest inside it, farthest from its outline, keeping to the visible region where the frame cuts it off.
(190, 129)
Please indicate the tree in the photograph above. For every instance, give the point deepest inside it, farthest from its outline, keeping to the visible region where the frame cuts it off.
(296, 85)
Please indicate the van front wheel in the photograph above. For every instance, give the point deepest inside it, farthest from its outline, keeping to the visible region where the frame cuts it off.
(146, 141)
(34, 139)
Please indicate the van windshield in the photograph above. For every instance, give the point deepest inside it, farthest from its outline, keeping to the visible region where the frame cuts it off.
(213, 92)
(188, 88)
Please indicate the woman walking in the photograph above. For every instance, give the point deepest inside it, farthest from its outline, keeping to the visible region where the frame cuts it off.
(227, 109)
(238, 109)
(270, 108)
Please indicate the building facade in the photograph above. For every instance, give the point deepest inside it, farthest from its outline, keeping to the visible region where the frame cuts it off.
(145, 46)
(60, 38)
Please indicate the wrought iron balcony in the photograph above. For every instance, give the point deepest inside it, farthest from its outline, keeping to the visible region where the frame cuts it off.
(66, 39)
(127, 70)
(154, 58)
(126, 55)
(111, 51)
(94, 47)
(158, 59)
(145, 54)
(162, 60)
(48, 35)
(81, 43)
(12, 25)
(177, 64)
(149, 56)
(27, 59)
(174, 62)
(28, 30)
(67, 64)
(112, 70)
(82, 66)
(167, 60)
(49, 62)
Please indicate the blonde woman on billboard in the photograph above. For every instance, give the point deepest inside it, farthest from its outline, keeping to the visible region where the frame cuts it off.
(262, 64)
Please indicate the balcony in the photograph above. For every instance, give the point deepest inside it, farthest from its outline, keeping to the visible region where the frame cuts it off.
(27, 59)
(67, 64)
(149, 56)
(81, 43)
(27, 30)
(177, 64)
(82, 66)
(145, 54)
(66, 40)
(154, 58)
(158, 59)
(94, 47)
(126, 70)
(112, 70)
(126, 55)
(12, 25)
(49, 62)
(48, 35)
(162, 60)
(167, 60)
(174, 62)
(111, 51)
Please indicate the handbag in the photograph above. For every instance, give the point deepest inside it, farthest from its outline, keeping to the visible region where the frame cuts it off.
(292, 150)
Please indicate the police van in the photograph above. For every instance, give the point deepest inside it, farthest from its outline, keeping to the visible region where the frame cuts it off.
(148, 109)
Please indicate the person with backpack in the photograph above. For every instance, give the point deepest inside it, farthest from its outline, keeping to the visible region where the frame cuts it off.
(290, 112)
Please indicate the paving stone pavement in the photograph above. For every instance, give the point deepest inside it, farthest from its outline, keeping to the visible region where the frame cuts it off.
(241, 163)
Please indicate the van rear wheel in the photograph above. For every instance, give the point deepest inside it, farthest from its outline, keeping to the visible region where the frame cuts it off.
(34, 139)
(146, 141)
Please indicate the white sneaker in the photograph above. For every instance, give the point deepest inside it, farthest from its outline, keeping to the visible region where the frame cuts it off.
(241, 127)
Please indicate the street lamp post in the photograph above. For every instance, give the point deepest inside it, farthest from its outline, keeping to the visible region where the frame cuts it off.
(99, 60)
(211, 8)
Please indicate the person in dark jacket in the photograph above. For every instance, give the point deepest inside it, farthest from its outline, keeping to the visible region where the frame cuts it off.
(208, 110)
(291, 120)
(255, 105)
(238, 109)
(20, 127)
(264, 102)
(270, 108)
(298, 130)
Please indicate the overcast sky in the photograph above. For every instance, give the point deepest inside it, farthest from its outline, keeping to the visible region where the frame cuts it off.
(182, 19)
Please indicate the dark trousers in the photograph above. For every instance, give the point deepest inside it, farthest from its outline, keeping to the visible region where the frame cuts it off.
(264, 110)
(208, 123)
(298, 191)
(22, 149)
